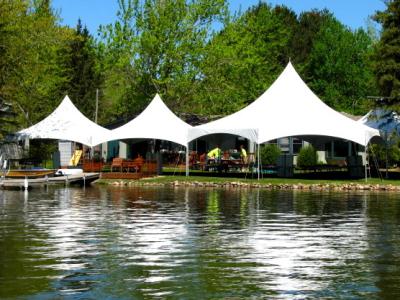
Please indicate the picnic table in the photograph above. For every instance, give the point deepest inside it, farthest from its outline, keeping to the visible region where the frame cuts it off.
(224, 164)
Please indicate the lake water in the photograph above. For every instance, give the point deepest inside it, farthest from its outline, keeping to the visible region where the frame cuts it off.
(186, 243)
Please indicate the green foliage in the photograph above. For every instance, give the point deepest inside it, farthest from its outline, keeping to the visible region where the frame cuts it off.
(379, 151)
(243, 60)
(387, 58)
(305, 32)
(170, 48)
(30, 72)
(269, 154)
(337, 67)
(156, 47)
(7, 120)
(42, 149)
(82, 70)
(307, 156)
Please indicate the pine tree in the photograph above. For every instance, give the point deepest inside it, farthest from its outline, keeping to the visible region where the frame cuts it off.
(387, 55)
(84, 76)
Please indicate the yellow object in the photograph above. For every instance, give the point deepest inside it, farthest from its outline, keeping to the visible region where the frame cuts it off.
(243, 153)
(216, 153)
(75, 158)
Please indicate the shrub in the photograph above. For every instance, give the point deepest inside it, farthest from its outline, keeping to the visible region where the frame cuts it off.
(379, 151)
(269, 154)
(307, 157)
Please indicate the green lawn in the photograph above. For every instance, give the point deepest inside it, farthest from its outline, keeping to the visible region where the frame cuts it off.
(266, 181)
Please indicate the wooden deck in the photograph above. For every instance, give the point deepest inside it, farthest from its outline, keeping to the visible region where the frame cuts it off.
(82, 179)
(121, 175)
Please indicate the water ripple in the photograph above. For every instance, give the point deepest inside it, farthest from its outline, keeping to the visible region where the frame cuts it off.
(188, 243)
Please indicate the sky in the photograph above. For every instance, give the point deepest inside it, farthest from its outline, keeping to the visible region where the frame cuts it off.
(93, 13)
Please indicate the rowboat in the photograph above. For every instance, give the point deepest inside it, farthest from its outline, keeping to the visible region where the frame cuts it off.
(30, 173)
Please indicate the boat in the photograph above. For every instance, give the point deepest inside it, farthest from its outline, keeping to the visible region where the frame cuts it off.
(30, 173)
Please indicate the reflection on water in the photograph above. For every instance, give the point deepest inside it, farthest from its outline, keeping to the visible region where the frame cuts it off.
(198, 243)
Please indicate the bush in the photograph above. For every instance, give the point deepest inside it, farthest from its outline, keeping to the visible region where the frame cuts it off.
(307, 157)
(379, 151)
(40, 150)
(269, 154)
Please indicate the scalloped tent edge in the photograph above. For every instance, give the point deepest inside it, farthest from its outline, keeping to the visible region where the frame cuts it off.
(156, 121)
(287, 108)
(66, 122)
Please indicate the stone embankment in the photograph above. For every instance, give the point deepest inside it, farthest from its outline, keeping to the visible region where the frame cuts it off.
(271, 186)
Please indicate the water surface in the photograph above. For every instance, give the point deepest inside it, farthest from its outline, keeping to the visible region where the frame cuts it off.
(183, 243)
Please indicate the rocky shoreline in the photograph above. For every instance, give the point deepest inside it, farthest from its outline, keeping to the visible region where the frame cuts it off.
(270, 186)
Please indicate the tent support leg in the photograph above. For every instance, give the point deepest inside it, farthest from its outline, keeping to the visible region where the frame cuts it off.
(258, 161)
(366, 161)
(187, 159)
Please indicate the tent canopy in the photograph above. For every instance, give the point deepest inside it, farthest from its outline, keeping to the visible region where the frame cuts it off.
(157, 121)
(66, 122)
(287, 108)
(386, 121)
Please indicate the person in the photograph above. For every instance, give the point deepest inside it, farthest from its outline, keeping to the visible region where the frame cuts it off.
(243, 154)
(214, 153)
(214, 159)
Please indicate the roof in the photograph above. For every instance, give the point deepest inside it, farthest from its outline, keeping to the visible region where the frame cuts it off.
(386, 121)
(287, 108)
(66, 122)
(157, 121)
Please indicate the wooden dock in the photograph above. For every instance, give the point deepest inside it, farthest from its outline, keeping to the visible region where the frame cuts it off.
(21, 183)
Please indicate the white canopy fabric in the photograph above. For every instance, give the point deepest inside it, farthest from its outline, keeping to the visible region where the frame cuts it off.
(287, 108)
(66, 122)
(386, 121)
(157, 121)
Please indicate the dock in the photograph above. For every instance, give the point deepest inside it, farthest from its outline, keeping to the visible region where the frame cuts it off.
(21, 183)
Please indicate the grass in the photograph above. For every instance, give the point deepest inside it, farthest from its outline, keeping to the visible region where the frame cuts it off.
(264, 181)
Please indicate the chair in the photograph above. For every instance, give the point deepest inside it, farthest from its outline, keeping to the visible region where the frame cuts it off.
(193, 159)
(202, 161)
(138, 163)
(117, 163)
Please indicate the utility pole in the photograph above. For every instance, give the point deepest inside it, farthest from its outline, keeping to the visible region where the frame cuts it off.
(97, 105)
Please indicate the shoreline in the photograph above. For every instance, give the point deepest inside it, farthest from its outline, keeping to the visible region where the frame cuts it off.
(272, 184)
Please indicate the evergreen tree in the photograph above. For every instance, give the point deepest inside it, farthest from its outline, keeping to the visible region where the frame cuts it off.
(387, 57)
(303, 38)
(81, 66)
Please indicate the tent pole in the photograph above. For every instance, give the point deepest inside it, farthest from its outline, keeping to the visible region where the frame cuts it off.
(187, 159)
(366, 162)
(258, 161)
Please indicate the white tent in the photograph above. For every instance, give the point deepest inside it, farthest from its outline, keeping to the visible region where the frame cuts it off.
(157, 121)
(287, 108)
(386, 121)
(66, 122)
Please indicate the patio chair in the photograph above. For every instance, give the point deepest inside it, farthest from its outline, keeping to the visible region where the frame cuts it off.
(117, 163)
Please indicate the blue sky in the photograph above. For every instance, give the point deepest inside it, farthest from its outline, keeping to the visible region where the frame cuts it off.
(353, 13)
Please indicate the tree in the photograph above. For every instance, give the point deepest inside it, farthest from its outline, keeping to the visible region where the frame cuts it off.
(6, 119)
(307, 157)
(30, 70)
(304, 34)
(242, 60)
(338, 67)
(156, 47)
(387, 52)
(270, 154)
(82, 71)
